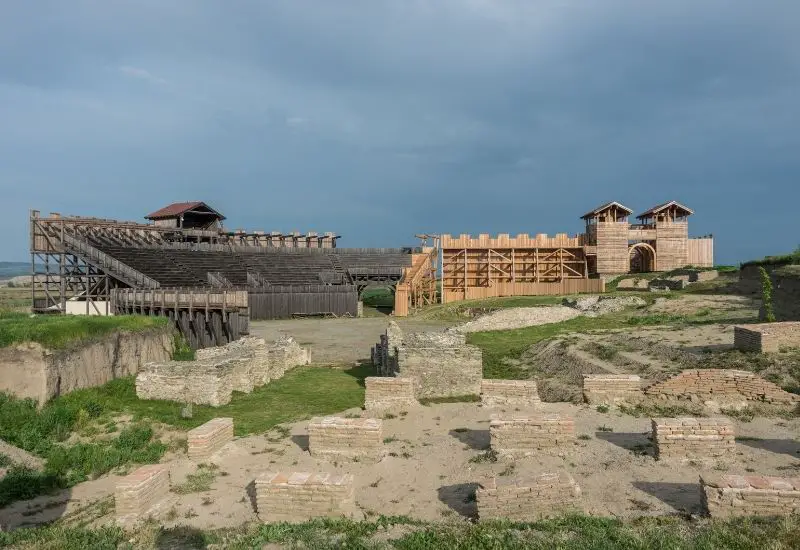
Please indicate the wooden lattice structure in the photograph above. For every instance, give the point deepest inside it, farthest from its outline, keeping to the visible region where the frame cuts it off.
(417, 287)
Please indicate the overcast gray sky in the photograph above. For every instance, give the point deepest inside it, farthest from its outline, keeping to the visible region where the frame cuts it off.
(378, 119)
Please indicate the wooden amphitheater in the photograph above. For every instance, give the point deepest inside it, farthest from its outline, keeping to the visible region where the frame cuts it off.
(485, 266)
(184, 264)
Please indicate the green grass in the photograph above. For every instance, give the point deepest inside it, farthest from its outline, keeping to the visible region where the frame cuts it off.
(198, 481)
(15, 299)
(382, 297)
(59, 331)
(301, 393)
(502, 344)
(785, 259)
(565, 533)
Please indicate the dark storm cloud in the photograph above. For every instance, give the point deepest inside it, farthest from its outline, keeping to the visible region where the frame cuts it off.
(379, 119)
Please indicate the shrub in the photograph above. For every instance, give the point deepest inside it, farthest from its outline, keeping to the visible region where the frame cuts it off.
(766, 295)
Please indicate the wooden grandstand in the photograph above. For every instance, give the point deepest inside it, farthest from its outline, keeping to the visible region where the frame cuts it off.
(189, 270)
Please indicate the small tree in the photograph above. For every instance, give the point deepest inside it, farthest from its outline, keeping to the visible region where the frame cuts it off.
(766, 296)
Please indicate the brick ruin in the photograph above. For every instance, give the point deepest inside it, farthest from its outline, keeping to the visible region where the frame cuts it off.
(767, 337)
(346, 438)
(389, 393)
(693, 439)
(520, 437)
(518, 393)
(721, 386)
(441, 364)
(543, 496)
(299, 496)
(734, 495)
(611, 389)
(141, 493)
(217, 372)
(204, 441)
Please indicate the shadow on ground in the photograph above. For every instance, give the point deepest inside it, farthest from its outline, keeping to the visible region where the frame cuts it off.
(181, 537)
(686, 498)
(461, 498)
(301, 441)
(475, 439)
(637, 443)
(789, 447)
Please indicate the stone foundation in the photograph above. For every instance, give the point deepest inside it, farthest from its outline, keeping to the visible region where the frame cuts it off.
(733, 495)
(346, 438)
(141, 493)
(544, 496)
(767, 337)
(217, 372)
(611, 389)
(209, 438)
(721, 386)
(388, 392)
(284, 354)
(513, 393)
(698, 439)
(521, 437)
(300, 496)
(440, 363)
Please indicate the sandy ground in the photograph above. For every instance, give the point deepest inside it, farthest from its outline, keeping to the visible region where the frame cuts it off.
(339, 341)
(427, 473)
(519, 317)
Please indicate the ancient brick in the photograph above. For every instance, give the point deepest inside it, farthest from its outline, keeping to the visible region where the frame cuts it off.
(388, 392)
(299, 496)
(209, 438)
(721, 386)
(611, 389)
(543, 496)
(767, 337)
(518, 437)
(518, 393)
(699, 439)
(346, 438)
(141, 493)
(733, 495)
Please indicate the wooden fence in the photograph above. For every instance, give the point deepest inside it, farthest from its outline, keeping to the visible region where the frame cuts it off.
(566, 286)
(282, 302)
(700, 251)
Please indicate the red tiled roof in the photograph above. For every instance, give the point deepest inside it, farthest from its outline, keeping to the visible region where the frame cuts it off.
(178, 208)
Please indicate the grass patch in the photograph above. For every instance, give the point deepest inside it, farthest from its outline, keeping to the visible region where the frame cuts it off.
(199, 481)
(301, 393)
(452, 399)
(181, 350)
(59, 331)
(575, 532)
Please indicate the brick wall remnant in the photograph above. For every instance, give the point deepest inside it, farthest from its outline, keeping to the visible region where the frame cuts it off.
(285, 353)
(207, 439)
(347, 438)
(686, 439)
(441, 363)
(543, 496)
(300, 496)
(519, 393)
(141, 493)
(519, 437)
(388, 392)
(611, 389)
(217, 372)
(729, 495)
(722, 386)
(767, 337)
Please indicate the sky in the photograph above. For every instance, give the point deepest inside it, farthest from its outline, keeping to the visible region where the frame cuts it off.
(379, 119)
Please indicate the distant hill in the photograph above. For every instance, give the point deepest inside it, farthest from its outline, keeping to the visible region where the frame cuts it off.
(14, 269)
